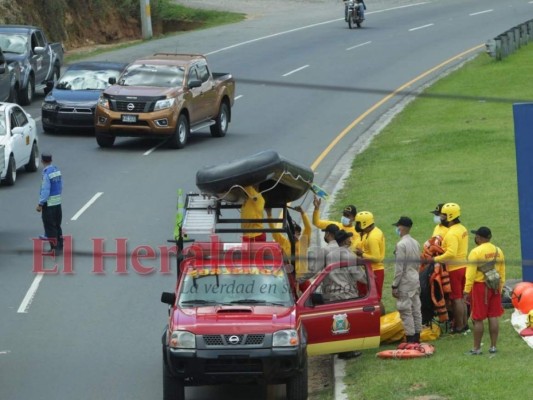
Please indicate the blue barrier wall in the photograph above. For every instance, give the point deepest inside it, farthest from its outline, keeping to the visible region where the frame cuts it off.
(523, 127)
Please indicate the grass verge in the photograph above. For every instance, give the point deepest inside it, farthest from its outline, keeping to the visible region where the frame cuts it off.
(454, 148)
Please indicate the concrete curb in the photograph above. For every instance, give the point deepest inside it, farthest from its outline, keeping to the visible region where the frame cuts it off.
(339, 372)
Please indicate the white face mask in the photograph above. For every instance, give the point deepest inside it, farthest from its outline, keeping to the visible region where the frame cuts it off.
(436, 219)
(398, 232)
(345, 221)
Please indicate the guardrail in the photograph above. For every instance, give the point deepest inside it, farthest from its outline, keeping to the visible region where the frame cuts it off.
(510, 41)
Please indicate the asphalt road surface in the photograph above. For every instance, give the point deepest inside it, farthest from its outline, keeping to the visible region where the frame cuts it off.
(304, 82)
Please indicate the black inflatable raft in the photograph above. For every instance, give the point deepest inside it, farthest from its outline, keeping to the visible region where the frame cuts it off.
(280, 180)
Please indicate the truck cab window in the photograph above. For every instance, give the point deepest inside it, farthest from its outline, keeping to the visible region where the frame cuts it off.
(203, 72)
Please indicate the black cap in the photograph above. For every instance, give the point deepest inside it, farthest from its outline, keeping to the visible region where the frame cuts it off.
(404, 221)
(331, 228)
(350, 210)
(341, 235)
(437, 209)
(483, 232)
(46, 157)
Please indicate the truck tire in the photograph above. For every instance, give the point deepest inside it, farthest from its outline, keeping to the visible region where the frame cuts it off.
(13, 95)
(173, 388)
(33, 162)
(179, 139)
(26, 94)
(11, 175)
(105, 140)
(297, 386)
(220, 127)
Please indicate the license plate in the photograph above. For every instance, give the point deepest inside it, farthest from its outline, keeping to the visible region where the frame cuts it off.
(129, 118)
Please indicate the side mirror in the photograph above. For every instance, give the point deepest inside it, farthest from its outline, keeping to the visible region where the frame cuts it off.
(112, 80)
(317, 299)
(19, 130)
(168, 298)
(49, 86)
(194, 83)
(38, 50)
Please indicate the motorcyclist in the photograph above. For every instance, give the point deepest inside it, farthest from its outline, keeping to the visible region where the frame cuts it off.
(358, 4)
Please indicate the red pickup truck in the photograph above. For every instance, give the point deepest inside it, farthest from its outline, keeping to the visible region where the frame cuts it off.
(234, 317)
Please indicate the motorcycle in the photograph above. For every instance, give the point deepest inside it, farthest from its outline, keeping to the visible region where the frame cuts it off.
(352, 14)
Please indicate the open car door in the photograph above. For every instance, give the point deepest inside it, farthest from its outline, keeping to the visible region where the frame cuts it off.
(338, 317)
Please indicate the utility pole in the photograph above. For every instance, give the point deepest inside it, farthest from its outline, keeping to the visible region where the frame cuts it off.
(146, 19)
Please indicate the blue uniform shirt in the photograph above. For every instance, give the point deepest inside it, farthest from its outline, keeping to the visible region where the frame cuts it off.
(51, 186)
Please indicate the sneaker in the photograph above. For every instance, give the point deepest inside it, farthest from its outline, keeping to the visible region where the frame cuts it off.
(474, 352)
(493, 350)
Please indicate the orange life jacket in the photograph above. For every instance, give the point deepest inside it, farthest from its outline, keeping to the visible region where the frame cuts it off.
(439, 280)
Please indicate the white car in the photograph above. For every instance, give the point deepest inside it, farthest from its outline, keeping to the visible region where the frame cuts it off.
(18, 136)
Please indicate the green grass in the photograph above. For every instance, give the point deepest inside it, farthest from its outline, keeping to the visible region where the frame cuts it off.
(448, 150)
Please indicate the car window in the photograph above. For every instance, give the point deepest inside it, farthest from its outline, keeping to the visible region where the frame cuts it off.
(203, 72)
(2, 124)
(12, 120)
(13, 43)
(40, 39)
(21, 117)
(193, 74)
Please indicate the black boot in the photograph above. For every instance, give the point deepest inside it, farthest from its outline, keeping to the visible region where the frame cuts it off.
(416, 337)
(410, 338)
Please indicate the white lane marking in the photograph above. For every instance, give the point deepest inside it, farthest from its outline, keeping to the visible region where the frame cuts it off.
(307, 27)
(420, 27)
(237, 97)
(37, 119)
(295, 70)
(86, 206)
(26, 302)
(481, 12)
(5, 352)
(148, 152)
(359, 45)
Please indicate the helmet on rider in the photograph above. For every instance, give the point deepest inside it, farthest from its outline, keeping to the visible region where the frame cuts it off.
(364, 219)
(451, 211)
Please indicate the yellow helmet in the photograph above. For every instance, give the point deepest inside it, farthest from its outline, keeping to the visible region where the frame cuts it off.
(365, 218)
(451, 210)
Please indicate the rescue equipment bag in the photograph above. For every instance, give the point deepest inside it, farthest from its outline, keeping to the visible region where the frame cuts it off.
(492, 277)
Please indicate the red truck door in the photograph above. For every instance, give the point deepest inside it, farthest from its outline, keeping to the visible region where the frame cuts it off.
(345, 321)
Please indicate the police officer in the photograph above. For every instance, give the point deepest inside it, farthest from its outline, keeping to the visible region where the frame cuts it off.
(50, 203)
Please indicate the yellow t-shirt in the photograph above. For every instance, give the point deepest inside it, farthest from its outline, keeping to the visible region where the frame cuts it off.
(440, 230)
(455, 246)
(252, 208)
(373, 248)
(479, 255)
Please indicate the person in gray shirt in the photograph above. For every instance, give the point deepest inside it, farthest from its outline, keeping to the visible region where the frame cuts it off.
(406, 282)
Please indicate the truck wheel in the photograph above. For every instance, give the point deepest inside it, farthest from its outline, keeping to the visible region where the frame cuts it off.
(297, 385)
(33, 162)
(173, 388)
(26, 95)
(11, 175)
(13, 95)
(105, 140)
(179, 139)
(221, 122)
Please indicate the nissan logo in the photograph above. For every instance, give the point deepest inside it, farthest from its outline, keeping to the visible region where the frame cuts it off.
(131, 106)
(233, 339)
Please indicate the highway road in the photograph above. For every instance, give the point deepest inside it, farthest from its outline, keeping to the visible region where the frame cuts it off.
(304, 82)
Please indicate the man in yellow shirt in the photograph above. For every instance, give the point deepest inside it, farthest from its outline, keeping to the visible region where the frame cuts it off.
(455, 246)
(252, 208)
(486, 303)
(372, 248)
(346, 223)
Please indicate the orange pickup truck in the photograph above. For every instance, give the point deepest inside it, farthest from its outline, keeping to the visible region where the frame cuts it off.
(165, 96)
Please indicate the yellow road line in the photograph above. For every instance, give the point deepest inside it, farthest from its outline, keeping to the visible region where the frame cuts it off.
(341, 135)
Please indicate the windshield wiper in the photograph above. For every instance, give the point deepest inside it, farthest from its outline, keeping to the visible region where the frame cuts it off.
(198, 301)
(256, 301)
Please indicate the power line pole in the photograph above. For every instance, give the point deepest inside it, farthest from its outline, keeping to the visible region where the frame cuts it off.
(146, 19)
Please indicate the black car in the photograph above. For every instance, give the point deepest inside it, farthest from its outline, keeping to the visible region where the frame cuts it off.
(71, 102)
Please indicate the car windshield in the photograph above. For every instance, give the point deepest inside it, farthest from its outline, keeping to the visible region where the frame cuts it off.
(256, 286)
(153, 75)
(2, 124)
(10, 43)
(86, 79)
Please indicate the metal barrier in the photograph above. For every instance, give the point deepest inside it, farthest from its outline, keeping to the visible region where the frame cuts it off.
(510, 41)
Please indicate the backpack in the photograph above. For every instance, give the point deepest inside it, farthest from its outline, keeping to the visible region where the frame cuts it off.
(492, 277)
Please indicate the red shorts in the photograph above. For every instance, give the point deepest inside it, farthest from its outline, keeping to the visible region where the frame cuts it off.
(259, 238)
(379, 277)
(485, 302)
(457, 283)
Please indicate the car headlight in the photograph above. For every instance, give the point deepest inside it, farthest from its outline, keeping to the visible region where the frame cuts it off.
(287, 337)
(182, 340)
(162, 104)
(49, 106)
(103, 102)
